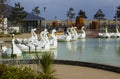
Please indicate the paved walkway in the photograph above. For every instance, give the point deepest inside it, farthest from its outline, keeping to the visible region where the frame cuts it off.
(78, 72)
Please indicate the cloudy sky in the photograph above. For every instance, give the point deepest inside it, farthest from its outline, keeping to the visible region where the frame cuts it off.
(59, 8)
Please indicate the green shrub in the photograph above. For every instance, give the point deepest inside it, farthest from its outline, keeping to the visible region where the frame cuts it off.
(46, 70)
(12, 72)
(46, 65)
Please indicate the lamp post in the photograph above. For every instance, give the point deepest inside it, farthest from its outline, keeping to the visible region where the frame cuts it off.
(45, 16)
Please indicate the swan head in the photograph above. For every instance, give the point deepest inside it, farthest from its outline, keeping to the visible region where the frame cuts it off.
(13, 36)
(53, 31)
(34, 29)
(75, 27)
(83, 27)
(45, 30)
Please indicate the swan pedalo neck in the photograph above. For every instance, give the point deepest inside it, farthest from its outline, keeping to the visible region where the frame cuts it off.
(12, 50)
(83, 34)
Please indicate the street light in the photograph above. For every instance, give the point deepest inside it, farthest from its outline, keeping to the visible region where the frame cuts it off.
(45, 16)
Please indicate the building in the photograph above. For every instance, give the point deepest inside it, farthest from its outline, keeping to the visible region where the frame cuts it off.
(30, 21)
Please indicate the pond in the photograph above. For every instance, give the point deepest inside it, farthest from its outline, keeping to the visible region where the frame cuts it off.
(96, 50)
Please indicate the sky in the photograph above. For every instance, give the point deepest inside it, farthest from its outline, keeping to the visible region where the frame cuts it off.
(59, 8)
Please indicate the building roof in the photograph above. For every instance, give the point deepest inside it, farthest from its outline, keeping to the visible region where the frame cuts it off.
(29, 16)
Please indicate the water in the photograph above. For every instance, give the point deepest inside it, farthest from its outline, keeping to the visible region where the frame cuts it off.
(102, 51)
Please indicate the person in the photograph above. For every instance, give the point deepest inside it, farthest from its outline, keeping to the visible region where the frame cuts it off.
(65, 30)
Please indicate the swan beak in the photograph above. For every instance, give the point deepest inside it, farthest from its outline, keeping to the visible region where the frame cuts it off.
(85, 28)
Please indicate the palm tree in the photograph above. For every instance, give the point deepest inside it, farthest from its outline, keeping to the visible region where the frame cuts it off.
(70, 13)
(36, 11)
(82, 14)
(46, 64)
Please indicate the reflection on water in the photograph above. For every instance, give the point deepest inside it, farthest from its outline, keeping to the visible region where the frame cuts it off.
(117, 47)
(38, 54)
(104, 51)
(118, 50)
(72, 47)
(101, 45)
(81, 46)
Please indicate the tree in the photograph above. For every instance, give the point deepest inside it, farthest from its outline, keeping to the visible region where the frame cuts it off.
(36, 11)
(3, 1)
(2, 8)
(70, 13)
(99, 15)
(82, 14)
(117, 14)
(18, 14)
